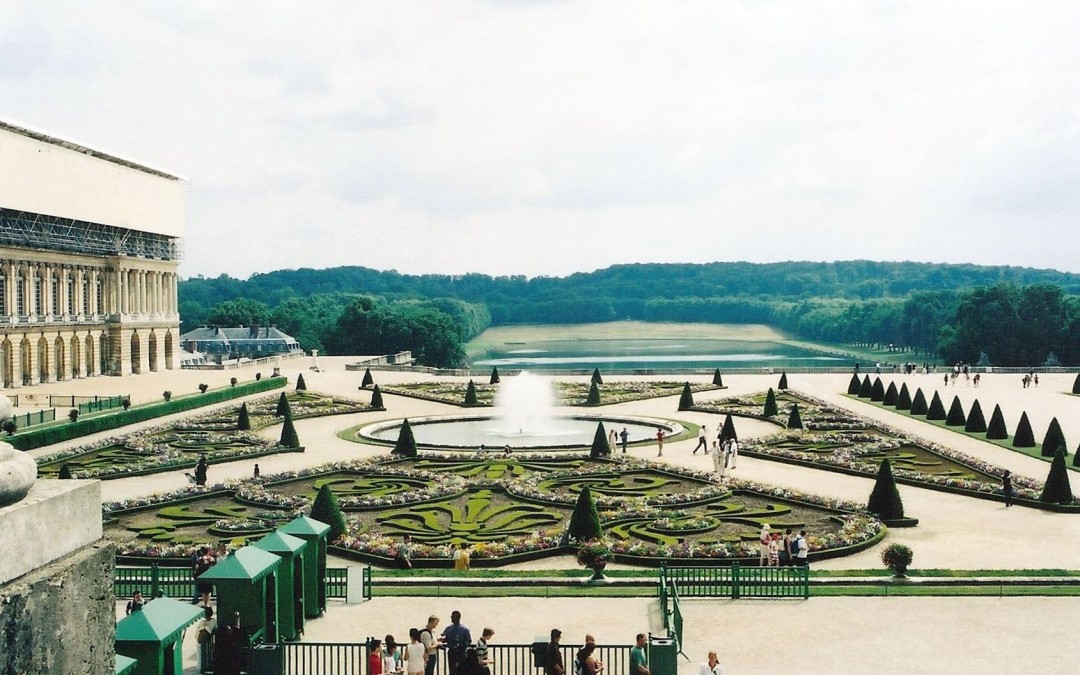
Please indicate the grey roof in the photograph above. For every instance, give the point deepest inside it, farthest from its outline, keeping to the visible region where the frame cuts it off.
(239, 334)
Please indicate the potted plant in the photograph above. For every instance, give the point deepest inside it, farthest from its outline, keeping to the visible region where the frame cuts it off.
(595, 554)
(897, 558)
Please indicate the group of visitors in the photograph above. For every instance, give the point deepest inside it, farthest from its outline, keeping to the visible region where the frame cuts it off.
(725, 455)
(421, 655)
(1031, 378)
(782, 551)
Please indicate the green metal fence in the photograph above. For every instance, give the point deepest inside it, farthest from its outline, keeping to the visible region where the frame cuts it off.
(31, 418)
(739, 582)
(100, 403)
(176, 582)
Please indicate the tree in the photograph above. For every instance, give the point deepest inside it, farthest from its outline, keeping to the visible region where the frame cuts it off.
(406, 444)
(239, 312)
(289, 439)
(771, 408)
(65, 472)
(1024, 436)
(866, 388)
(903, 399)
(376, 398)
(243, 422)
(918, 404)
(1057, 489)
(326, 509)
(584, 521)
(783, 381)
(73, 414)
(686, 400)
(368, 379)
(877, 392)
(890, 395)
(283, 407)
(1054, 440)
(1076, 457)
(853, 385)
(956, 417)
(885, 500)
(470, 395)
(594, 395)
(300, 384)
(937, 409)
(996, 430)
(728, 430)
(976, 423)
(596, 379)
(718, 379)
(494, 375)
(1076, 384)
(203, 387)
(600, 447)
(794, 419)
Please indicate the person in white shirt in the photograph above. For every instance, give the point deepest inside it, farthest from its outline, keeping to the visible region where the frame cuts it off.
(712, 666)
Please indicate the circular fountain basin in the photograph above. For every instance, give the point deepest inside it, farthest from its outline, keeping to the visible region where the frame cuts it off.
(469, 433)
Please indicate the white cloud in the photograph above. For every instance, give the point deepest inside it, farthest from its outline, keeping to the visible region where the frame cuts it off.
(550, 137)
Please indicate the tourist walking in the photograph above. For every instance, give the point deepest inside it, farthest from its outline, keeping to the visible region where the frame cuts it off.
(457, 639)
(431, 645)
(200, 471)
(404, 554)
(205, 561)
(415, 653)
(802, 549)
(639, 658)
(717, 459)
(702, 443)
(731, 453)
(711, 666)
(461, 557)
(623, 436)
(787, 551)
(612, 439)
(764, 539)
(660, 442)
(482, 650)
(256, 472)
(1007, 488)
(553, 661)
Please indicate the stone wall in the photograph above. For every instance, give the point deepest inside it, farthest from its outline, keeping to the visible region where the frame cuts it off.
(61, 618)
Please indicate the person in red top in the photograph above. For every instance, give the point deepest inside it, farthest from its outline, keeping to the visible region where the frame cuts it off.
(374, 659)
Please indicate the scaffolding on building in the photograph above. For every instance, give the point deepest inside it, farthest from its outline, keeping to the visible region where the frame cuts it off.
(23, 229)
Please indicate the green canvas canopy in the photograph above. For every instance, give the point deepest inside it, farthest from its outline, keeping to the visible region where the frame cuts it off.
(161, 620)
(305, 525)
(124, 664)
(278, 542)
(247, 563)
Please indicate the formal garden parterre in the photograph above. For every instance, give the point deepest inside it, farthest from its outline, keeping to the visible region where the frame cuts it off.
(566, 393)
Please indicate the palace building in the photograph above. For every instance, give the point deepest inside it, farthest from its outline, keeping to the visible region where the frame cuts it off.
(89, 249)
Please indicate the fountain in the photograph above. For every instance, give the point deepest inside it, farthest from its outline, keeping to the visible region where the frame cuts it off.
(524, 417)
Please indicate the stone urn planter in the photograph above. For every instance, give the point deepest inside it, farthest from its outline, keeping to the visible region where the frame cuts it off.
(897, 558)
(595, 555)
(18, 471)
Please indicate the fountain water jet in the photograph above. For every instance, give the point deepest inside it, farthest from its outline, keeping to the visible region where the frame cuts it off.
(525, 406)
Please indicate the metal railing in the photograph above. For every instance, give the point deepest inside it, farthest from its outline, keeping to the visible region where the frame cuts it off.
(176, 582)
(738, 582)
(31, 418)
(98, 403)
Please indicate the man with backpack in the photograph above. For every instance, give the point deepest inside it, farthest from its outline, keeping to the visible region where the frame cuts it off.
(431, 645)
(457, 639)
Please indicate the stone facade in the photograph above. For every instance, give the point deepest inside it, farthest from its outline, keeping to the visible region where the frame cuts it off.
(61, 618)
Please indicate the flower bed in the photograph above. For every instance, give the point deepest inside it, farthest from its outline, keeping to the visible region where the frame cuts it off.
(567, 393)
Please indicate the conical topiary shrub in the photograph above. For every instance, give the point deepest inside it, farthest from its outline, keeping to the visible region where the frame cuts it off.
(1024, 436)
(686, 401)
(717, 379)
(936, 411)
(282, 406)
(326, 509)
(494, 375)
(903, 399)
(368, 379)
(65, 472)
(853, 385)
(1057, 489)
(600, 446)
(584, 521)
(470, 394)
(782, 386)
(996, 430)
(794, 420)
(376, 398)
(918, 404)
(1054, 440)
(956, 417)
(976, 423)
(594, 394)
(596, 379)
(890, 395)
(300, 384)
(770, 404)
(243, 421)
(406, 443)
(866, 388)
(877, 391)
(1076, 384)
(728, 430)
(885, 500)
(289, 439)
(1076, 457)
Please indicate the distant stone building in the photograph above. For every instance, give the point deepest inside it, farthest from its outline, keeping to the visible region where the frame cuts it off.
(254, 342)
(89, 250)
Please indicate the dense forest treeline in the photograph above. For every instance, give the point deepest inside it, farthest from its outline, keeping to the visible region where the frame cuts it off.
(1013, 315)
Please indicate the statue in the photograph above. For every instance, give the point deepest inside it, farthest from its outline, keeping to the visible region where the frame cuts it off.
(18, 471)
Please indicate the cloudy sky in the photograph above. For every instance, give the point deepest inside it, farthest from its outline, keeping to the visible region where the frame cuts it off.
(548, 137)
